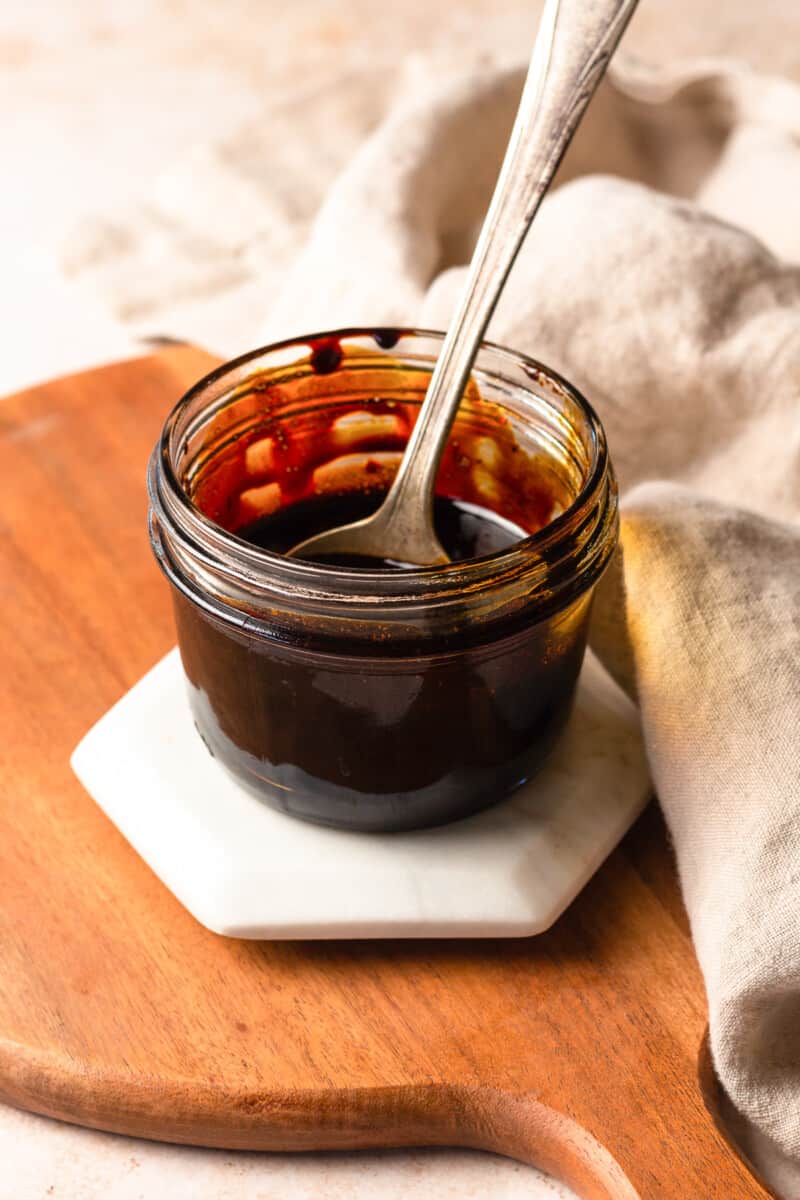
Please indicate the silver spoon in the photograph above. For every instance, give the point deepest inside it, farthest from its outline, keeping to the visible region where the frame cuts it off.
(574, 44)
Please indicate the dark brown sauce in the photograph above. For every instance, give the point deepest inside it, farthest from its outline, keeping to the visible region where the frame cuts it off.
(464, 530)
(408, 729)
(326, 356)
(378, 741)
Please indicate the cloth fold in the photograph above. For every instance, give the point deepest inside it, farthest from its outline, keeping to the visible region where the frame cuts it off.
(711, 597)
(658, 277)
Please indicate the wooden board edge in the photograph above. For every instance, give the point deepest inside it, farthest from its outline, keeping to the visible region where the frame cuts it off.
(515, 1125)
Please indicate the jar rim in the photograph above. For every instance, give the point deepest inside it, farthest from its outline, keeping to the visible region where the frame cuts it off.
(210, 542)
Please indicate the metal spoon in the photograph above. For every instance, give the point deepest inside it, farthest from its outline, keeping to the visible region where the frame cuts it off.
(574, 44)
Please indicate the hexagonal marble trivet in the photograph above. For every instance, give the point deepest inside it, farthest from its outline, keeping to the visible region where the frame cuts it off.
(247, 871)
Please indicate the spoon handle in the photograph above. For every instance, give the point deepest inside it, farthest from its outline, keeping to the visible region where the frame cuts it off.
(575, 41)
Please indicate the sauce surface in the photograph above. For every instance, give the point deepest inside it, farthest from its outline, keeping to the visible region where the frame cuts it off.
(464, 530)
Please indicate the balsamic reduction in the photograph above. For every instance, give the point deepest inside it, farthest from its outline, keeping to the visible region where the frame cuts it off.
(377, 741)
(464, 530)
(381, 736)
(347, 714)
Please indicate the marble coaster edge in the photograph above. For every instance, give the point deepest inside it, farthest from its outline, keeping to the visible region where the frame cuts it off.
(220, 904)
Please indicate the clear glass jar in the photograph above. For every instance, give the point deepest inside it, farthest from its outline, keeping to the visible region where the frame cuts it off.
(365, 698)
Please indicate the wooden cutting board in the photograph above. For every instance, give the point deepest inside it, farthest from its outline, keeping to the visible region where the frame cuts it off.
(577, 1050)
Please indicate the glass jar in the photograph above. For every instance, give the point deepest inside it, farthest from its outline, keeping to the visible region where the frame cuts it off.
(367, 698)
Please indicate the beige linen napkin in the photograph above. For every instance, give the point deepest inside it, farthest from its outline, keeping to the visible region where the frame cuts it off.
(659, 278)
(680, 317)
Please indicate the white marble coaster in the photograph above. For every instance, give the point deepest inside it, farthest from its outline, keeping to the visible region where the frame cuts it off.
(246, 871)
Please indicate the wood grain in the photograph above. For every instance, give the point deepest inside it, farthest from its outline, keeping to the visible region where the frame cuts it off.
(576, 1050)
